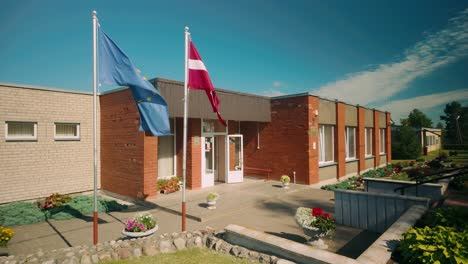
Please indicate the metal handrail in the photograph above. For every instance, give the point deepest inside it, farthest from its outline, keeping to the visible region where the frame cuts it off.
(402, 188)
(439, 172)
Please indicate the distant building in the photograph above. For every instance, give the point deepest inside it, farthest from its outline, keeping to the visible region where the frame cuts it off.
(430, 138)
(46, 141)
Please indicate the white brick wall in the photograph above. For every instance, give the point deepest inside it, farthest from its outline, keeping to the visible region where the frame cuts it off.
(30, 170)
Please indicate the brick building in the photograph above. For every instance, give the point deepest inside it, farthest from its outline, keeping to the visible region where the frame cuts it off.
(313, 138)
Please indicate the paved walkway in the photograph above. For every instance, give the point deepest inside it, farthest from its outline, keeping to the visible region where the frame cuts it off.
(262, 205)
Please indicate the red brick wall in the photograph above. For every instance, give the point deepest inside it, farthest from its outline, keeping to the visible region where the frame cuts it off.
(194, 161)
(313, 124)
(150, 167)
(376, 139)
(284, 142)
(388, 135)
(340, 144)
(361, 149)
(122, 145)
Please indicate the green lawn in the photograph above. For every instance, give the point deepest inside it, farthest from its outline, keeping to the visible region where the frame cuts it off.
(189, 256)
(460, 159)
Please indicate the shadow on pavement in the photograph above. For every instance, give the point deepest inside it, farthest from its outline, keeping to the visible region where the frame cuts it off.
(356, 246)
(293, 237)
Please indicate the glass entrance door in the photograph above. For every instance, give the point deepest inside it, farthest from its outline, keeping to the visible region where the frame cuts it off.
(235, 159)
(209, 162)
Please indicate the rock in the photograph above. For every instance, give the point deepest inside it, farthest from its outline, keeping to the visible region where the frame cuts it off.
(124, 253)
(112, 242)
(244, 253)
(125, 244)
(273, 259)
(197, 233)
(104, 256)
(174, 235)
(218, 245)
(85, 259)
(225, 248)
(211, 241)
(72, 260)
(50, 261)
(70, 254)
(253, 255)
(179, 243)
(94, 258)
(11, 262)
(189, 235)
(166, 246)
(219, 233)
(191, 242)
(198, 242)
(114, 255)
(264, 258)
(235, 250)
(150, 250)
(137, 252)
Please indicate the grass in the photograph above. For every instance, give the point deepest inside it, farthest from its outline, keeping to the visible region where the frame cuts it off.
(189, 256)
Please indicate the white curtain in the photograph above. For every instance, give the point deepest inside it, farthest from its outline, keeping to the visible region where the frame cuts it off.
(21, 129)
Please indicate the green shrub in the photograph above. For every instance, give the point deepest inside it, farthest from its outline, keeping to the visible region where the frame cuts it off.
(401, 176)
(459, 182)
(20, 213)
(83, 205)
(420, 160)
(455, 217)
(433, 245)
(349, 184)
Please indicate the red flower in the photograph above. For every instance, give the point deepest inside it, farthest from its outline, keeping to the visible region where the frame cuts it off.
(326, 215)
(316, 211)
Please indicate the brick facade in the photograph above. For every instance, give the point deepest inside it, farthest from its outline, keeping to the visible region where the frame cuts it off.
(376, 139)
(34, 169)
(360, 142)
(340, 145)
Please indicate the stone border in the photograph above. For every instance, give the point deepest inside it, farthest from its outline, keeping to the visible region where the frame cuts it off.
(147, 246)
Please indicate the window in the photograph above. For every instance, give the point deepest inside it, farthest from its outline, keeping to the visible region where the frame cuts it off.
(166, 154)
(213, 127)
(67, 131)
(20, 130)
(350, 138)
(382, 141)
(368, 141)
(326, 144)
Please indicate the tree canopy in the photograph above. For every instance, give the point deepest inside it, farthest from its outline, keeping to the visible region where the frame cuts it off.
(456, 123)
(416, 119)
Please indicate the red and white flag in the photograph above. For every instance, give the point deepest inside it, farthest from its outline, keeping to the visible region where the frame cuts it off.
(199, 79)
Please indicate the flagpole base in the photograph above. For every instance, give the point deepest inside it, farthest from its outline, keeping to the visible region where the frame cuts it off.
(95, 228)
(184, 224)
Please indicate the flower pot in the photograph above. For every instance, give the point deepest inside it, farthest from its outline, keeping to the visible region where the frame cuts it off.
(285, 185)
(211, 204)
(140, 234)
(315, 239)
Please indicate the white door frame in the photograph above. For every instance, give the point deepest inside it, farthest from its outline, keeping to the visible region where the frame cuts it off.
(207, 179)
(237, 175)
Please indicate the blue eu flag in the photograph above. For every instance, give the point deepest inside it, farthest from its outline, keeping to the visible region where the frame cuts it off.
(115, 68)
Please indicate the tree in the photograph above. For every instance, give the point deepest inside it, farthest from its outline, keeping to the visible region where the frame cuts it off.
(416, 119)
(405, 143)
(440, 125)
(456, 123)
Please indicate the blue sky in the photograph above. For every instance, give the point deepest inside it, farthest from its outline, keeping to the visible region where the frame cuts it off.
(392, 55)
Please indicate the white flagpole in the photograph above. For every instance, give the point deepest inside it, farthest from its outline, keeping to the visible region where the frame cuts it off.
(95, 214)
(184, 159)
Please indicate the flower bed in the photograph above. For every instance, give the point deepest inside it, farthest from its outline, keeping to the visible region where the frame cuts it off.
(5, 235)
(440, 236)
(168, 185)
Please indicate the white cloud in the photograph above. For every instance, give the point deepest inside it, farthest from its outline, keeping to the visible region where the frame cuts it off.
(401, 108)
(278, 84)
(273, 93)
(435, 51)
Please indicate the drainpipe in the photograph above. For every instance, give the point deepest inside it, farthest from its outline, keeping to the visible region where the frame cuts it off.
(294, 176)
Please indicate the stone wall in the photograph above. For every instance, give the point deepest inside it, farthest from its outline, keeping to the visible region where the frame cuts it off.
(148, 246)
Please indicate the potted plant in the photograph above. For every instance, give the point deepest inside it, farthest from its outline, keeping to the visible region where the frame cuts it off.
(141, 225)
(211, 200)
(315, 224)
(285, 180)
(5, 237)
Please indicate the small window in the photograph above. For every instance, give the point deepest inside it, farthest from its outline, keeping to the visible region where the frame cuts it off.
(20, 130)
(326, 144)
(67, 131)
(368, 141)
(382, 141)
(350, 138)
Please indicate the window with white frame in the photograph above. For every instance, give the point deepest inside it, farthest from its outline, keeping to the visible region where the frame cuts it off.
(20, 130)
(326, 144)
(350, 138)
(67, 131)
(166, 154)
(382, 140)
(368, 141)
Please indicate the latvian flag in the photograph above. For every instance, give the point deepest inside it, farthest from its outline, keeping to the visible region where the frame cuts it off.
(199, 79)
